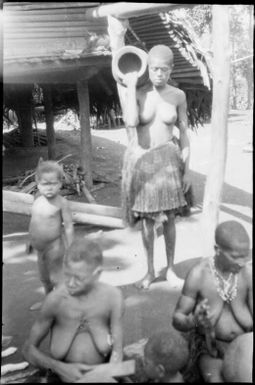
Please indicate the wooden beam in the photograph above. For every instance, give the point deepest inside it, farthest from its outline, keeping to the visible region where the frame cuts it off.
(17, 202)
(49, 5)
(50, 16)
(95, 209)
(25, 201)
(89, 24)
(54, 72)
(49, 118)
(86, 143)
(219, 133)
(46, 34)
(98, 215)
(97, 220)
(127, 10)
(50, 28)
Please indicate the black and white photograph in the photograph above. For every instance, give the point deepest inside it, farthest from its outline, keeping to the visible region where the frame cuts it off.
(127, 192)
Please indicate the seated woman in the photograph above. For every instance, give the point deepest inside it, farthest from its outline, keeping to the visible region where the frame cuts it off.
(82, 316)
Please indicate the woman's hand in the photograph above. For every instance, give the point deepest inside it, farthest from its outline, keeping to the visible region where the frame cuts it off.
(72, 372)
(202, 314)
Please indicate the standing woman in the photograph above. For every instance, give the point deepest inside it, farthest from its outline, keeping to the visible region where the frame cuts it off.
(156, 170)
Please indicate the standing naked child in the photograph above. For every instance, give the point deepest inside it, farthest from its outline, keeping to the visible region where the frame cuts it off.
(49, 210)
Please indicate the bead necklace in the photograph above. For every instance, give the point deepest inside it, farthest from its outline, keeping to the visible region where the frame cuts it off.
(226, 288)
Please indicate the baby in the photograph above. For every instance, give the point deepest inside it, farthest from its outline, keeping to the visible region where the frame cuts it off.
(49, 210)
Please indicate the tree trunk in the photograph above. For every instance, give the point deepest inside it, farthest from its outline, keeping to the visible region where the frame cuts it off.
(86, 144)
(220, 107)
(23, 108)
(250, 69)
(234, 86)
(234, 92)
(249, 81)
(49, 118)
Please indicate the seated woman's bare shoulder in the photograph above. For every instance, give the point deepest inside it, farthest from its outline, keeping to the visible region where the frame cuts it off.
(110, 289)
(111, 292)
(53, 299)
(197, 271)
(246, 272)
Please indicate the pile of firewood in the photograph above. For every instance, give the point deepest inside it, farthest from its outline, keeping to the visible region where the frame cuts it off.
(73, 183)
(13, 138)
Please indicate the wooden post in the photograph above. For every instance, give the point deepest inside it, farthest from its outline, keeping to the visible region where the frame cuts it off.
(86, 144)
(23, 108)
(220, 108)
(250, 85)
(49, 118)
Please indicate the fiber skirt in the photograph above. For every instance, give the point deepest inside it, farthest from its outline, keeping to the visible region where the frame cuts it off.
(198, 347)
(152, 181)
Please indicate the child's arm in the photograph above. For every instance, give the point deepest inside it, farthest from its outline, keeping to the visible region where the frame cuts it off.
(29, 247)
(68, 222)
(117, 328)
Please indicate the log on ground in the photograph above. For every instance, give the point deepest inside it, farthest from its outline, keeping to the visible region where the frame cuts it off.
(99, 215)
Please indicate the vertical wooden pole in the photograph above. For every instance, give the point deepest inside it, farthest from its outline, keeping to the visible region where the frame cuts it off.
(86, 143)
(250, 85)
(49, 117)
(220, 108)
(23, 108)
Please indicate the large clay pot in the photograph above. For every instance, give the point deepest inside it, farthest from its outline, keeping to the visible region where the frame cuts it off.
(128, 59)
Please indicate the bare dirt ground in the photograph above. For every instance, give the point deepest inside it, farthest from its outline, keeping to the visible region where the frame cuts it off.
(125, 261)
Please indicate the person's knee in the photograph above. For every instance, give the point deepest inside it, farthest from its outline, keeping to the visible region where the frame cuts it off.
(171, 216)
(148, 228)
(210, 369)
(237, 363)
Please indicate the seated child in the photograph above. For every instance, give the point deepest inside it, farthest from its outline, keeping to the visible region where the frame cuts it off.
(165, 355)
(82, 316)
(49, 210)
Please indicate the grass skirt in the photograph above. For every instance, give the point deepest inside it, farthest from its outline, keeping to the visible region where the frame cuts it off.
(152, 181)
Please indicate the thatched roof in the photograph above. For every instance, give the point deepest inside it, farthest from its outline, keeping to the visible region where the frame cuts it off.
(55, 43)
(191, 66)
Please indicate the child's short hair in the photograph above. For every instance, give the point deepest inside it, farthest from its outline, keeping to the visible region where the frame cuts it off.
(49, 166)
(84, 250)
(168, 348)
